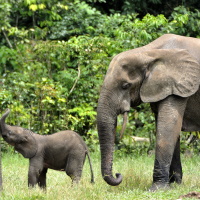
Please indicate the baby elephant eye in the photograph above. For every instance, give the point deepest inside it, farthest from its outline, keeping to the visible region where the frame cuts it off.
(126, 85)
(9, 132)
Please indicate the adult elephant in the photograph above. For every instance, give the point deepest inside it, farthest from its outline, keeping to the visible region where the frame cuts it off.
(166, 74)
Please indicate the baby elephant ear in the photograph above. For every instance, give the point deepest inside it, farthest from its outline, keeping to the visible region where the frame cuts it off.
(172, 71)
(28, 146)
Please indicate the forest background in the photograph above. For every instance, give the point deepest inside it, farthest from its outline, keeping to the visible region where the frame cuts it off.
(55, 54)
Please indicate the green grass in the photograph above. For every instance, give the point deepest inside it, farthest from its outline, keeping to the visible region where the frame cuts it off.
(137, 178)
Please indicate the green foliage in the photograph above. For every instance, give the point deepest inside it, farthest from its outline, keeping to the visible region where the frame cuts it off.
(5, 9)
(82, 19)
(153, 7)
(186, 20)
(142, 124)
(28, 19)
(52, 83)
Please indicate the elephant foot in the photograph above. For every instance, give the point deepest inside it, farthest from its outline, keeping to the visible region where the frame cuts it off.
(175, 179)
(159, 186)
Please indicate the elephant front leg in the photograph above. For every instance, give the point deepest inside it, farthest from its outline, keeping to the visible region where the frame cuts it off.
(33, 175)
(169, 122)
(35, 168)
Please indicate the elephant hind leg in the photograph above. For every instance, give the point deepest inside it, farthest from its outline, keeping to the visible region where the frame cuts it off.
(42, 178)
(74, 167)
(175, 174)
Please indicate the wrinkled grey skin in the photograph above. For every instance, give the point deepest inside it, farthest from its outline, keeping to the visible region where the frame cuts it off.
(166, 74)
(64, 151)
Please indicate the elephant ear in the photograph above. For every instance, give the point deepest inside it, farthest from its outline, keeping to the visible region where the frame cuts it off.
(28, 145)
(171, 72)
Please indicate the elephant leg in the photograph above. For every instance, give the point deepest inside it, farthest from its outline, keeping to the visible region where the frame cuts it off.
(42, 178)
(35, 168)
(175, 173)
(74, 166)
(169, 123)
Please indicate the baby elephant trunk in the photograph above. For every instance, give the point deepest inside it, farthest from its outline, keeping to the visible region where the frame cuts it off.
(2, 121)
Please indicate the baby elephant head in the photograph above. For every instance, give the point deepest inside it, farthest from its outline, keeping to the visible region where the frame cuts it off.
(22, 139)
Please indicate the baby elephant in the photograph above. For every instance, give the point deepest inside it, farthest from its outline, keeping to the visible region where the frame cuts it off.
(65, 151)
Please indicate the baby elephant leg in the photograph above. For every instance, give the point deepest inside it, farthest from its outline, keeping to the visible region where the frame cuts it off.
(35, 168)
(74, 166)
(42, 178)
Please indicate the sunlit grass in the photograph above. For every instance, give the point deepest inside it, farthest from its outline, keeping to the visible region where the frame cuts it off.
(137, 178)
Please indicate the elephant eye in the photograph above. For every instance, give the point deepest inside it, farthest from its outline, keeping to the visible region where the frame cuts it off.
(126, 85)
(9, 132)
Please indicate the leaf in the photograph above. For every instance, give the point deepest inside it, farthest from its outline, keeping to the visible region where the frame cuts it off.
(33, 7)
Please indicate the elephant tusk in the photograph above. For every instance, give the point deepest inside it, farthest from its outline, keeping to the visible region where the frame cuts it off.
(125, 118)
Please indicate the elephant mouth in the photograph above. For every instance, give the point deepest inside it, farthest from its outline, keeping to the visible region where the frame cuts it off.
(12, 144)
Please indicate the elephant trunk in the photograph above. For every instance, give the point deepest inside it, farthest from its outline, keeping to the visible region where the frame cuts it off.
(3, 128)
(2, 122)
(106, 124)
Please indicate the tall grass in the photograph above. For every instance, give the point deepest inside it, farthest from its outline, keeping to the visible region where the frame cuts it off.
(137, 178)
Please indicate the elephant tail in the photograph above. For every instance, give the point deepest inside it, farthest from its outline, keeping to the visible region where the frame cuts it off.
(91, 169)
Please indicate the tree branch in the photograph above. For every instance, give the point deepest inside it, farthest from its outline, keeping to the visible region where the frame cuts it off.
(8, 41)
(78, 76)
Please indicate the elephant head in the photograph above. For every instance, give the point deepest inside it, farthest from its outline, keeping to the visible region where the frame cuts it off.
(22, 139)
(135, 77)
